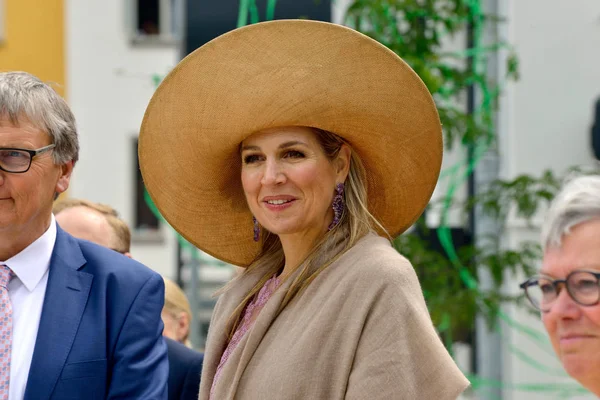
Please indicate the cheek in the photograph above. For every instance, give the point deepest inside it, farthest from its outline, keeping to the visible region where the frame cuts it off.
(593, 315)
(249, 182)
(45, 180)
(251, 187)
(549, 321)
(320, 181)
(167, 322)
(23, 190)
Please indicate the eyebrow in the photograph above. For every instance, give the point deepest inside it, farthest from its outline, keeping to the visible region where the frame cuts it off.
(587, 268)
(285, 145)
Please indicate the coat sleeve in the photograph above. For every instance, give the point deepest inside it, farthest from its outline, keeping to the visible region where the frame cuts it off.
(140, 366)
(399, 354)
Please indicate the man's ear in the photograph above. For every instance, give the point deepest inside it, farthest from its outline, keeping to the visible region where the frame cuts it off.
(65, 176)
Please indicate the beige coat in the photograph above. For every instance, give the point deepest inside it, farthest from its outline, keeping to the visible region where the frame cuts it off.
(361, 330)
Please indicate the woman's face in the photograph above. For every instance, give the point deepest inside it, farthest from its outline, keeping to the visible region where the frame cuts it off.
(289, 182)
(575, 329)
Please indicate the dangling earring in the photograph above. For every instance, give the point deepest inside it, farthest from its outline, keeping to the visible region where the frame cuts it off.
(337, 205)
(256, 229)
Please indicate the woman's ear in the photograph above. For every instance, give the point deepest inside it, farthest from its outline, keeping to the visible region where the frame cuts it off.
(342, 163)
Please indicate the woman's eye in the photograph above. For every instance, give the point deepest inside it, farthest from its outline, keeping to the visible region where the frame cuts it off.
(547, 288)
(586, 284)
(294, 154)
(251, 158)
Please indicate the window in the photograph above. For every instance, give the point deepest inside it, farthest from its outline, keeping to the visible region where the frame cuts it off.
(157, 20)
(146, 226)
(205, 20)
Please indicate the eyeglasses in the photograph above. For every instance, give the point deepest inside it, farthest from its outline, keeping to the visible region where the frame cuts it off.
(582, 286)
(18, 161)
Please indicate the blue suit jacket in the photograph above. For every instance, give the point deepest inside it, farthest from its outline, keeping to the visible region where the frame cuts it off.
(100, 333)
(185, 367)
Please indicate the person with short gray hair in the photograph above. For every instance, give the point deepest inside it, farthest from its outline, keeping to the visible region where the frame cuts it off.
(24, 96)
(78, 320)
(571, 243)
(578, 202)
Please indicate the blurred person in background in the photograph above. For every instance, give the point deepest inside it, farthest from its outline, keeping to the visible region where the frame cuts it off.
(176, 314)
(567, 288)
(79, 321)
(296, 148)
(98, 223)
(101, 224)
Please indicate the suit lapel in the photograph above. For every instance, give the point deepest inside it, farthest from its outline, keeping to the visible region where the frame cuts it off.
(66, 296)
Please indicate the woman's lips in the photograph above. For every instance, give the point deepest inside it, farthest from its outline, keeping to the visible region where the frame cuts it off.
(572, 339)
(278, 204)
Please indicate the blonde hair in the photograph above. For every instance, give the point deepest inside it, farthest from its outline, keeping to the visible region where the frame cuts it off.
(177, 302)
(356, 221)
(118, 226)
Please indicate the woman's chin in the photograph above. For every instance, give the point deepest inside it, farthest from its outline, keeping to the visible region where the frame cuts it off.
(282, 227)
(580, 366)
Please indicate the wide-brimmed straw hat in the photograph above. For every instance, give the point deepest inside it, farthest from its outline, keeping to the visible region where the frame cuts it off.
(276, 74)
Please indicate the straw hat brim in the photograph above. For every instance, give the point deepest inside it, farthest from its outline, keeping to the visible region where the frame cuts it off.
(275, 74)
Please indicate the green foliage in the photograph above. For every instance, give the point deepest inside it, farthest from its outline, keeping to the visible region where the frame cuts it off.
(420, 31)
(525, 192)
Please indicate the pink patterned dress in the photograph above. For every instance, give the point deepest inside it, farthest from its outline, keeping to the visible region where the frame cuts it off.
(250, 314)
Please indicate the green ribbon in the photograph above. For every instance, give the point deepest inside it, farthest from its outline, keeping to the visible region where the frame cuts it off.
(249, 7)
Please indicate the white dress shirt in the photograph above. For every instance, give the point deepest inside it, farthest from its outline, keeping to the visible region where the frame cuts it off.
(26, 290)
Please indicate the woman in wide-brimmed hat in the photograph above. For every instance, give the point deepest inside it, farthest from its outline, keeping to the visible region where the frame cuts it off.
(296, 149)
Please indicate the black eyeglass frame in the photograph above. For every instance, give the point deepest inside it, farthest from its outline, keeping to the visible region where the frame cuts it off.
(533, 281)
(32, 154)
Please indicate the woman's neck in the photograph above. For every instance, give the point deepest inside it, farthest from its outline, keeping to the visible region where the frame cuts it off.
(296, 249)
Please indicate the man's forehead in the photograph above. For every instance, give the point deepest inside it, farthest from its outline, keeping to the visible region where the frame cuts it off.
(14, 135)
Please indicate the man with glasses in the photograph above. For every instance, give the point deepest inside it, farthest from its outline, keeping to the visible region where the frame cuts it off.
(567, 289)
(77, 320)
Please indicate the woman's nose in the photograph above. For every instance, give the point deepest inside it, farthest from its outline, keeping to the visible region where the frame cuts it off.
(273, 174)
(564, 306)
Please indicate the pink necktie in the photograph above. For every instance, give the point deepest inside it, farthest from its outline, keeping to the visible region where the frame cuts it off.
(5, 331)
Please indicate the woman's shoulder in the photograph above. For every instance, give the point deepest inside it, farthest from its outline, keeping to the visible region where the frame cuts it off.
(374, 259)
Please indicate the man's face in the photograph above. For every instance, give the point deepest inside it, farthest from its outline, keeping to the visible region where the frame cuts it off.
(85, 223)
(26, 198)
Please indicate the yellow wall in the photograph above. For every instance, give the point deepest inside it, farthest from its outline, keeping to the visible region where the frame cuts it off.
(34, 39)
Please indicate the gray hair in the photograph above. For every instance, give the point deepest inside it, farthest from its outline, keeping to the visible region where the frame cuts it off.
(577, 202)
(25, 97)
